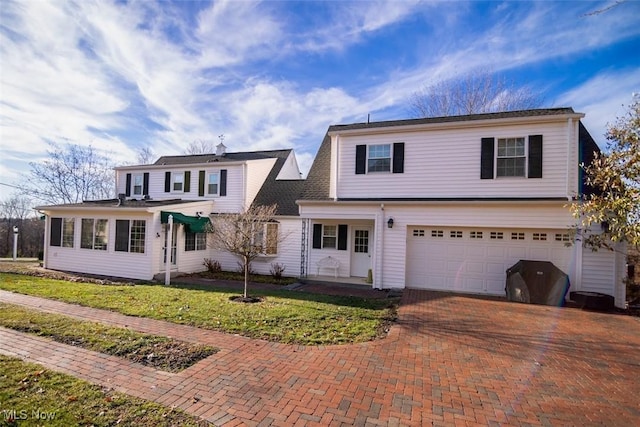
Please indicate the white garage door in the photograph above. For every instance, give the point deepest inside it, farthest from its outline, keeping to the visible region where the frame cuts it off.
(475, 259)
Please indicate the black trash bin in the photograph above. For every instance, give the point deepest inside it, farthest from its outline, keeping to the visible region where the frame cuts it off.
(537, 282)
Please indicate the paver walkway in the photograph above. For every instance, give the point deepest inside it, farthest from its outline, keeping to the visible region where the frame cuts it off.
(450, 360)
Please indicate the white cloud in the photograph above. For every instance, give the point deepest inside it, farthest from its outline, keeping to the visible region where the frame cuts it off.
(603, 98)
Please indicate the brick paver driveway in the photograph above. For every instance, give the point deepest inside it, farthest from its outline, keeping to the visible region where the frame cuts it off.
(450, 360)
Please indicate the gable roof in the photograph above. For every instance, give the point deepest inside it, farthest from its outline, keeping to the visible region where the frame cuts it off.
(316, 185)
(281, 192)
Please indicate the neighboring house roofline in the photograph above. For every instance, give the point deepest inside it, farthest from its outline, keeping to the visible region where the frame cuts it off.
(472, 120)
(207, 160)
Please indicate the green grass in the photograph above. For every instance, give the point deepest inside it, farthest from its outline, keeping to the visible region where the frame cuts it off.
(283, 316)
(41, 397)
(151, 350)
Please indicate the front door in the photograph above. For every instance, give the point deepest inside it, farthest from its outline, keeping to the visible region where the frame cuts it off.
(360, 253)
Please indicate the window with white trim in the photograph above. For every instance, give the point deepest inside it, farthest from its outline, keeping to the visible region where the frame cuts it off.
(329, 236)
(213, 184)
(455, 234)
(511, 158)
(61, 233)
(437, 233)
(517, 236)
(178, 181)
(269, 244)
(195, 241)
(418, 233)
(137, 185)
(475, 234)
(496, 235)
(379, 158)
(130, 235)
(563, 237)
(540, 236)
(94, 234)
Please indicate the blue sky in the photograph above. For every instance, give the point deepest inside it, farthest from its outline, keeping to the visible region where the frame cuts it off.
(129, 74)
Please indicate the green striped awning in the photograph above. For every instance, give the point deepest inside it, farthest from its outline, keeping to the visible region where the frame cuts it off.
(193, 224)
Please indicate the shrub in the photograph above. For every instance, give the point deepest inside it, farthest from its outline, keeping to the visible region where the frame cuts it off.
(277, 270)
(212, 265)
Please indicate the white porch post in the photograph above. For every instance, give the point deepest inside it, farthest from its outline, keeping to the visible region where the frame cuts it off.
(167, 252)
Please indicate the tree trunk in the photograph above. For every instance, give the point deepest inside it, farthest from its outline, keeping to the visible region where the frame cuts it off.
(246, 275)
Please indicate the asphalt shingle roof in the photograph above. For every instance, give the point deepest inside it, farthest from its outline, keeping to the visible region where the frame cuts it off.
(228, 157)
(283, 192)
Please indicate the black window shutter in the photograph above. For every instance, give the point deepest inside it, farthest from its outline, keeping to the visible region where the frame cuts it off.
(127, 189)
(201, 183)
(167, 182)
(122, 235)
(535, 156)
(223, 182)
(317, 236)
(145, 184)
(361, 159)
(342, 237)
(486, 158)
(398, 157)
(187, 181)
(55, 234)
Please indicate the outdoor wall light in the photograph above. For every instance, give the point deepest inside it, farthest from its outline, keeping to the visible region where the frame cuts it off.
(15, 230)
(390, 223)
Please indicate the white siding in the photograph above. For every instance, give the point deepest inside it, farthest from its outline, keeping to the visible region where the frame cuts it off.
(446, 163)
(257, 172)
(604, 271)
(233, 201)
(109, 262)
(288, 251)
(290, 169)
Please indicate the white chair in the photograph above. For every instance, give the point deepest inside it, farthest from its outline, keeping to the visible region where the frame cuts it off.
(328, 262)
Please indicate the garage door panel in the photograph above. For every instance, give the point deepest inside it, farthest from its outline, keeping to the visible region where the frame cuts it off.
(472, 264)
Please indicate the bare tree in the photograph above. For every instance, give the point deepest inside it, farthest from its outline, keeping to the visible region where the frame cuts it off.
(16, 211)
(247, 235)
(71, 174)
(145, 156)
(200, 146)
(473, 93)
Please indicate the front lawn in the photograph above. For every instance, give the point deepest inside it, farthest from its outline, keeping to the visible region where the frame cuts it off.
(33, 396)
(284, 316)
(150, 350)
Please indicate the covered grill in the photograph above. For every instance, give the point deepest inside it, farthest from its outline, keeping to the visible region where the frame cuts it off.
(536, 282)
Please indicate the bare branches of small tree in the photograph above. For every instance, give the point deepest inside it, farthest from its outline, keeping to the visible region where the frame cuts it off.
(200, 146)
(473, 93)
(247, 235)
(71, 174)
(145, 156)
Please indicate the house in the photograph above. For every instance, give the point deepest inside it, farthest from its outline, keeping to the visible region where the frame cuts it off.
(127, 236)
(450, 203)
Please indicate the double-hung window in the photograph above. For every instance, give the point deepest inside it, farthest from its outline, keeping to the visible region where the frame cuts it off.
(137, 185)
(329, 236)
(511, 158)
(130, 235)
(195, 241)
(93, 234)
(213, 184)
(178, 181)
(379, 158)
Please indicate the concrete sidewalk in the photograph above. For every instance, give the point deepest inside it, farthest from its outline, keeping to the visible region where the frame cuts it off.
(450, 360)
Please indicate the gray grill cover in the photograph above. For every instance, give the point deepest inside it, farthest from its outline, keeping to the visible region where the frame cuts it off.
(536, 282)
